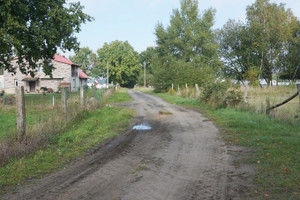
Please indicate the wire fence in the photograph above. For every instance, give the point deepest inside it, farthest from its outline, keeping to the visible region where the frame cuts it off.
(44, 111)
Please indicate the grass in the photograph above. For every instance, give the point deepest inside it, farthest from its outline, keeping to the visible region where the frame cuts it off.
(289, 112)
(90, 129)
(276, 146)
(162, 112)
(121, 96)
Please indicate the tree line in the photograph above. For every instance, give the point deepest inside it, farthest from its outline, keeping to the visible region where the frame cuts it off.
(188, 50)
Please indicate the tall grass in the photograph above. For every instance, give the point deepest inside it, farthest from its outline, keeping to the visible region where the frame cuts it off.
(258, 97)
(43, 121)
(257, 101)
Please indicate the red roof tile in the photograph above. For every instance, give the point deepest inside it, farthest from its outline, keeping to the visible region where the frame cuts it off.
(82, 74)
(62, 59)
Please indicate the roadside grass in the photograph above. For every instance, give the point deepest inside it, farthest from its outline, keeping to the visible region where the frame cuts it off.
(275, 145)
(257, 100)
(90, 129)
(38, 110)
(120, 96)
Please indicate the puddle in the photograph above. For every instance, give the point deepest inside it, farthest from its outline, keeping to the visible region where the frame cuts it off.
(142, 127)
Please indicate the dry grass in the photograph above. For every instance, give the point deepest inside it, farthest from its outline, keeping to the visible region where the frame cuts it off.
(257, 100)
(47, 123)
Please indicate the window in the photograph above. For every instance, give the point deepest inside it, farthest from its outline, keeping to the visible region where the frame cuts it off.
(16, 82)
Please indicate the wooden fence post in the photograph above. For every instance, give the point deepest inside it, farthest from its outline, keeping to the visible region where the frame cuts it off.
(81, 96)
(64, 103)
(298, 87)
(172, 86)
(21, 114)
(197, 89)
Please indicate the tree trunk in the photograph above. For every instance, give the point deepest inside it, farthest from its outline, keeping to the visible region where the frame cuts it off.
(246, 91)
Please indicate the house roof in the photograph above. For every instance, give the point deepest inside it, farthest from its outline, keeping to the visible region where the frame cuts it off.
(62, 59)
(82, 74)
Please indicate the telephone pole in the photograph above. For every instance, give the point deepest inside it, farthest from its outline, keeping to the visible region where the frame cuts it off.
(144, 74)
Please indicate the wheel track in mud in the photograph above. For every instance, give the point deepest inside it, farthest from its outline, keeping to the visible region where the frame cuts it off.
(182, 157)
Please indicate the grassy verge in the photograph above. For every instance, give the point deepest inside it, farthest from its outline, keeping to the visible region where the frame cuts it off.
(276, 146)
(90, 129)
(120, 96)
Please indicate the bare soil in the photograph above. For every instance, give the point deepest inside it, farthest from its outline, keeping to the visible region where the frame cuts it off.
(181, 157)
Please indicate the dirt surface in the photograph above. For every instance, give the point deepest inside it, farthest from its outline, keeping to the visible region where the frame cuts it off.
(181, 157)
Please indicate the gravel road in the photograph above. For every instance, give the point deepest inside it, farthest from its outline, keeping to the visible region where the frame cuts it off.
(181, 157)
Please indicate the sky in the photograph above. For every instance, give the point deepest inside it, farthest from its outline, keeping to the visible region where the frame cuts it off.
(135, 20)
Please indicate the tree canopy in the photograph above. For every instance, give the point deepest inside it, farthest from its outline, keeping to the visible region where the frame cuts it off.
(33, 30)
(124, 63)
(186, 49)
(87, 59)
(267, 43)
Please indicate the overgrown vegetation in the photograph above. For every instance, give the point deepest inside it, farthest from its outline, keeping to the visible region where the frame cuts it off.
(88, 129)
(275, 145)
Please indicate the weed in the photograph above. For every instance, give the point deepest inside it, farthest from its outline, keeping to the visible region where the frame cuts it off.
(161, 112)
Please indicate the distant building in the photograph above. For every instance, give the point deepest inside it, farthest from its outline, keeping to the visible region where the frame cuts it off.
(65, 74)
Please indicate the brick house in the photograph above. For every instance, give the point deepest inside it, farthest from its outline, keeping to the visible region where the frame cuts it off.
(66, 74)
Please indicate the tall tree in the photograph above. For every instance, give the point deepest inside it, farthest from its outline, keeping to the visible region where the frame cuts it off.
(235, 49)
(186, 45)
(32, 30)
(290, 59)
(123, 61)
(86, 58)
(271, 25)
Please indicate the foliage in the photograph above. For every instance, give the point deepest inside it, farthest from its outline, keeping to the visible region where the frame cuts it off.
(234, 41)
(214, 93)
(289, 62)
(186, 49)
(267, 43)
(147, 56)
(149, 79)
(87, 60)
(270, 26)
(33, 30)
(123, 61)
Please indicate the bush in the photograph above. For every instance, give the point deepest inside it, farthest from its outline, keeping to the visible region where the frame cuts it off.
(233, 97)
(172, 91)
(220, 94)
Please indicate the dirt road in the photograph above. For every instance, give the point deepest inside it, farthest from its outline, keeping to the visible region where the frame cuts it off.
(181, 157)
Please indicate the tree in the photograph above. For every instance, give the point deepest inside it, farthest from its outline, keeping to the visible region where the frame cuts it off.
(147, 56)
(271, 26)
(235, 49)
(86, 58)
(290, 60)
(123, 61)
(186, 46)
(33, 30)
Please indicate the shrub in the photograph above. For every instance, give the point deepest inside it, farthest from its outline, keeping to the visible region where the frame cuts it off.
(221, 94)
(233, 97)
(172, 91)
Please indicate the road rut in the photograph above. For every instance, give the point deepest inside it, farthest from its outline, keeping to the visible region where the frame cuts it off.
(182, 157)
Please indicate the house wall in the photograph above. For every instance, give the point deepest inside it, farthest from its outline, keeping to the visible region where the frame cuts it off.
(62, 74)
(1, 83)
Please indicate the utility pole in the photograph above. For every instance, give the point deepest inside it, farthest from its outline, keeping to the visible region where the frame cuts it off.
(144, 74)
(107, 72)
